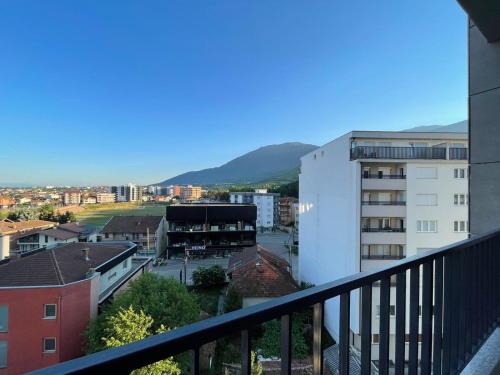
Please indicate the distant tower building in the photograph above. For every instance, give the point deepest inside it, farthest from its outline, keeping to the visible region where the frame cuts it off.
(127, 193)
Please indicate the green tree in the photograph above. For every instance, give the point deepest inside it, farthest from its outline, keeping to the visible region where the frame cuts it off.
(165, 300)
(269, 343)
(22, 214)
(46, 212)
(233, 300)
(67, 217)
(128, 326)
(211, 277)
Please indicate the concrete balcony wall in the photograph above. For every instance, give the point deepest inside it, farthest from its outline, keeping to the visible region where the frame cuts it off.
(383, 211)
(382, 238)
(383, 184)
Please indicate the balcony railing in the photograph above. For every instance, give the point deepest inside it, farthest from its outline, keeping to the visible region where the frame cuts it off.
(456, 153)
(384, 203)
(383, 152)
(377, 230)
(385, 176)
(460, 308)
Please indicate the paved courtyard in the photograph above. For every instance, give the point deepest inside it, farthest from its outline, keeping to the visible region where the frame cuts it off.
(273, 241)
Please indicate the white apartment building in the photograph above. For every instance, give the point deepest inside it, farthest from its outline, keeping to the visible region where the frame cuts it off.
(127, 193)
(267, 206)
(371, 197)
(106, 197)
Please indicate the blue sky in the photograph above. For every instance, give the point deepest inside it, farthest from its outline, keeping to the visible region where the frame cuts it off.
(103, 92)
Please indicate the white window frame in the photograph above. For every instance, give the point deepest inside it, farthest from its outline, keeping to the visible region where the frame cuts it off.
(460, 226)
(424, 226)
(47, 317)
(55, 344)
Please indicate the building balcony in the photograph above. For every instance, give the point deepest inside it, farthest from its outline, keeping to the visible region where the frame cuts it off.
(383, 152)
(372, 236)
(383, 209)
(453, 308)
(369, 183)
(455, 153)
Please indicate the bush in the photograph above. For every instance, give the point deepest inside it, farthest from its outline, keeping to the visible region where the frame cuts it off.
(209, 277)
(233, 301)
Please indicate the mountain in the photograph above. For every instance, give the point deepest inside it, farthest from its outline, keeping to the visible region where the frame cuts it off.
(457, 127)
(273, 162)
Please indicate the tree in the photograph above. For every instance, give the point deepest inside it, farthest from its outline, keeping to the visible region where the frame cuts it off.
(46, 212)
(67, 217)
(233, 300)
(165, 300)
(211, 277)
(256, 368)
(23, 214)
(128, 326)
(269, 343)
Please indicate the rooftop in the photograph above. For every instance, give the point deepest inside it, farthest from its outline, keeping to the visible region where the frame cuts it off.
(12, 227)
(131, 224)
(256, 272)
(60, 265)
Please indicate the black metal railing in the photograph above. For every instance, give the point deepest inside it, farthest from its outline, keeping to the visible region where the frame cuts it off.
(383, 152)
(456, 153)
(382, 256)
(384, 203)
(460, 306)
(377, 230)
(384, 176)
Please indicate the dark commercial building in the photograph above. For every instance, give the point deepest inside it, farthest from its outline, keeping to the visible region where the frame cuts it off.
(484, 113)
(202, 229)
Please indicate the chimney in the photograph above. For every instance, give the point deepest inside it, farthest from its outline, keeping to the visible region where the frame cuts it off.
(85, 253)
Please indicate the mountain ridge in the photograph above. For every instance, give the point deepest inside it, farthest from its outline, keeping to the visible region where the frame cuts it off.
(262, 164)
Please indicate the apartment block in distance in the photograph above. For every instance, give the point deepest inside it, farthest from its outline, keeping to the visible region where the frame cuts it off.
(72, 197)
(267, 206)
(371, 197)
(48, 297)
(210, 228)
(127, 193)
(106, 197)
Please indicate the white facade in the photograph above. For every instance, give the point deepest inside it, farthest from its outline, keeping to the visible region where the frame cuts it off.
(267, 206)
(368, 198)
(127, 193)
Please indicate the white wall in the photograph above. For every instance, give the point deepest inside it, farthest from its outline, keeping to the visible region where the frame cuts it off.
(118, 271)
(329, 221)
(4, 246)
(265, 210)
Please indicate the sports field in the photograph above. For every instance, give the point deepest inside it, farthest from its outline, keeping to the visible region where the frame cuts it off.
(98, 215)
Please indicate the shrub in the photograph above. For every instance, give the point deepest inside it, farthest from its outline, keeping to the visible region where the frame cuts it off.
(233, 301)
(209, 277)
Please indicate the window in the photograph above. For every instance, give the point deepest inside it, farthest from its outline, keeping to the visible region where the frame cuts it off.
(426, 200)
(460, 226)
(106, 235)
(376, 338)
(459, 173)
(426, 226)
(459, 199)
(46, 238)
(113, 275)
(3, 354)
(50, 311)
(426, 172)
(49, 344)
(125, 263)
(4, 318)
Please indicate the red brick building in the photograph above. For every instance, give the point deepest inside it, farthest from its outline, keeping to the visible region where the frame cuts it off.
(47, 299)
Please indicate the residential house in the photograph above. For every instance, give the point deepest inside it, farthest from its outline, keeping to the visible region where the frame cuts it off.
(11, 231)
(259, 275)
(148, 232)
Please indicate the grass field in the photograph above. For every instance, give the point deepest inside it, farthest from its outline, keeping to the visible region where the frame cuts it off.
(98, 215)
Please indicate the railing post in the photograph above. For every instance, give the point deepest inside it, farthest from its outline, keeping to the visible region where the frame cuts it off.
(344, 334)
(317, 344)
(246, 357)
(195, 361)
(426, 352)
(384, 325)
(414, 307)
(438, 316)
(400, 322)
(366, 329)
(286, 344)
